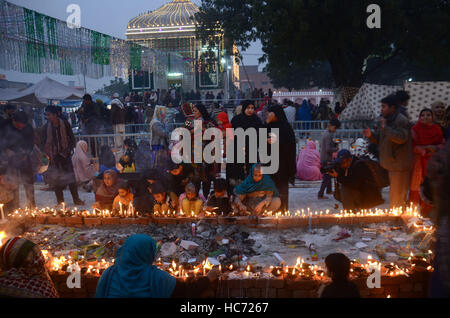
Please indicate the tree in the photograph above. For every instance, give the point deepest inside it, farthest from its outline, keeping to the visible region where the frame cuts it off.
(296, 34)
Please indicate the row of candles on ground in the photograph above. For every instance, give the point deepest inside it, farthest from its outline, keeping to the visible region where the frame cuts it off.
(130, 212)
(300, 270)
(409, 211)
(97, 213)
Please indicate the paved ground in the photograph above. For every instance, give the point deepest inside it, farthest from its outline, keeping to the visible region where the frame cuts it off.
(299, 198)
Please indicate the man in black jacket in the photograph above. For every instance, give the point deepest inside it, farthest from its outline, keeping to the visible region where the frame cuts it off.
(359, 189)
(58, 144)
(16, 146)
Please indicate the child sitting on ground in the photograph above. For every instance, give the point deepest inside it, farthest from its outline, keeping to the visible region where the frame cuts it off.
(338, 266)
(124, 197)
(218, 201)
(6, 192)
(162, 201)
(191, 201)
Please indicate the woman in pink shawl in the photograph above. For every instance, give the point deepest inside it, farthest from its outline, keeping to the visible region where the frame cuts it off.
(82, 166)
(308, 163)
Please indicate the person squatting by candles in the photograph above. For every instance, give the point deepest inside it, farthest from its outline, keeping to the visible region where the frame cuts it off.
(357, 186)
(22, 271)
(191, 202)
(219, 201)
(106, 191)
(134, 276)
(124, 200)
(256, 193)
(162, 201)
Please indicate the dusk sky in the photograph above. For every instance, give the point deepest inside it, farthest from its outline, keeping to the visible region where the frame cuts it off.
(112, 16)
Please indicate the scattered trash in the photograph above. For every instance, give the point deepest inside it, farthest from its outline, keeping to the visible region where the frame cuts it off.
(342, 235)
(361, 245)
(168, 249)
(391, 257)
(279, 258)
(189, 245)
(213, 261)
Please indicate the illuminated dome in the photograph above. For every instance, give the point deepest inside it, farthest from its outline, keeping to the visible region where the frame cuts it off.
(172, 14)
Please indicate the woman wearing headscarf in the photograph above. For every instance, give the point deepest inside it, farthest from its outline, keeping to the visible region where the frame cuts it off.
(427, 139)
(303, 113)
(236, 171)
(133, 274)
(22, 271)
(308, 163)
(224, 124)
(82, 165)
(106, 161)
(206, 171)
(440, 119)
(257, 193)
(159, 137)
(276, 119)
(106, 190)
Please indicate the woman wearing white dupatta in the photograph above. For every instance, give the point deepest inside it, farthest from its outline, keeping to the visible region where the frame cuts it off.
(159, 137)
(82, 165)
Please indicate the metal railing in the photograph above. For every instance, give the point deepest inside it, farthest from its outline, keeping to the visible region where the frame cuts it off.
(115, 141)
(145, 128)
(297, 126)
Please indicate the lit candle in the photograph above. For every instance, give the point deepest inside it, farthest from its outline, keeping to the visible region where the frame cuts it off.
(2, 212)
(121, 208)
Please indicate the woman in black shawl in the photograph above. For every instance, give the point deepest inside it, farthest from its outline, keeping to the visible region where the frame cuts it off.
(206, 171)
(236, 172)
(276, 118)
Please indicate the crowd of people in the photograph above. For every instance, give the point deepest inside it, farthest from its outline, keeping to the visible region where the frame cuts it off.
(400, 151)
(409, 156)
(136, 109)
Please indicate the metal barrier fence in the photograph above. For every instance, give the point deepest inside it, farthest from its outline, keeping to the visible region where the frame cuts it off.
(297, 126)
(145, 128)
(115, 141)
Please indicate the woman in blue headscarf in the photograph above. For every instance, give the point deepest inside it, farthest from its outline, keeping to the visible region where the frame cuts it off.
(133, 274)
(257, 193)
(303, 112)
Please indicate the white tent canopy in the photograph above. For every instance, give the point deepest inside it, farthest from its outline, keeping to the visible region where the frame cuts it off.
(366, 104)
(44, 91)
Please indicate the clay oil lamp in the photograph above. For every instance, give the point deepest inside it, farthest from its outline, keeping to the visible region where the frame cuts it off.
(277, 271)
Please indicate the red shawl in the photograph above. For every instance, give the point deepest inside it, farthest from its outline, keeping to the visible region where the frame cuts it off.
(425, 135)
(223, 117)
